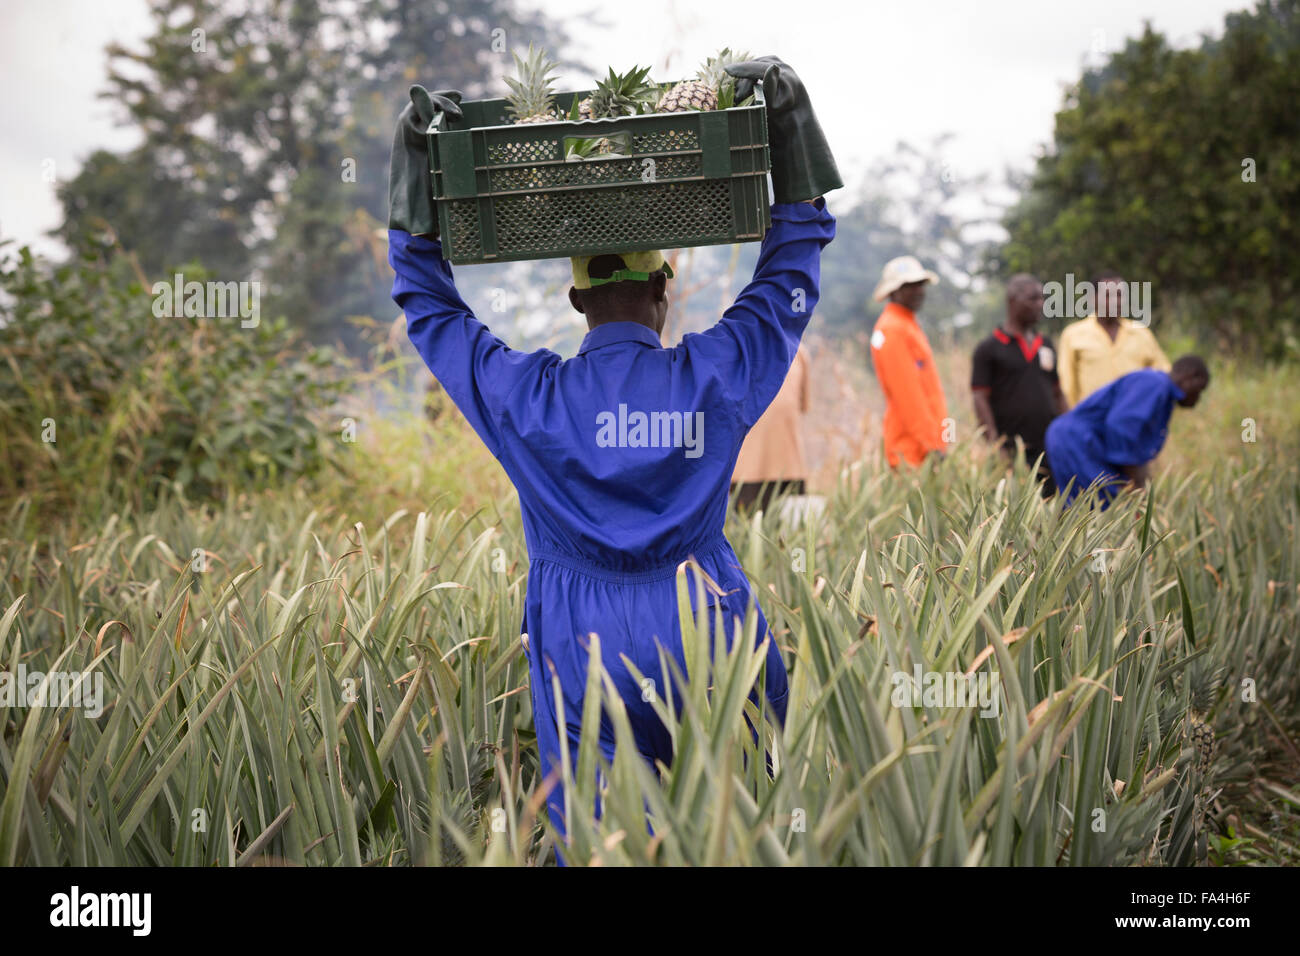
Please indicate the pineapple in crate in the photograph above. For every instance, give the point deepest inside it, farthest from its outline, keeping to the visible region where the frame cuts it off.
(713, 88)
(531, 100)
(619, 94)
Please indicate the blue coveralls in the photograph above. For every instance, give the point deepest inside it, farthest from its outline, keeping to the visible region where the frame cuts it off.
(607, 515)
(1120, 425)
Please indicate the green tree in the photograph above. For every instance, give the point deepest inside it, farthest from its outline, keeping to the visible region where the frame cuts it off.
(265, 129)
(107, 396)
(1179, 167)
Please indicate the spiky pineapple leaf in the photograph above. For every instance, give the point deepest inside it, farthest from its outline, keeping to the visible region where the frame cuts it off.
(624, 94)
(530, 88)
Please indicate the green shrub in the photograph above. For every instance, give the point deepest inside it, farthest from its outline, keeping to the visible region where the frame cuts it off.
(99, 397)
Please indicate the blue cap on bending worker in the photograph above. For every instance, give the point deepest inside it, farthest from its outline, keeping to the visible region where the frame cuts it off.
(636, 265)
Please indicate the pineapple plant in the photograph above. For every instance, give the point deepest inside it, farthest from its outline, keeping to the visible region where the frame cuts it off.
(1201, 736)
(531, 99)
(711, 89)
(1203, 680)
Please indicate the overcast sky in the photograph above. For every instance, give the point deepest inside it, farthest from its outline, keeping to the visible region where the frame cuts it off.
(991, 72)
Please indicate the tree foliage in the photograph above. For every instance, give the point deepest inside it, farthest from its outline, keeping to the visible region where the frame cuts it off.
(101, 395)
(265, 131)
(1180, 167)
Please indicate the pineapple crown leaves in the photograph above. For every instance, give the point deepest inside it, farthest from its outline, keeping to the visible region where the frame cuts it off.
(530, 88)
(713, 73)
(1207, 684)
(624, 94)
(727, 97)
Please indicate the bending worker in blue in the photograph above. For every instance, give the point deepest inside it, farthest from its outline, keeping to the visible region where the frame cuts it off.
(1112, 436)
(622, 455)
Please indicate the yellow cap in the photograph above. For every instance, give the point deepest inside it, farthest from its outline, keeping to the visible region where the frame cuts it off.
(639, 266)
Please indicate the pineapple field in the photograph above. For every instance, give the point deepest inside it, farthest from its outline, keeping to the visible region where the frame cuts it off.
(305, 677)
(263, 584)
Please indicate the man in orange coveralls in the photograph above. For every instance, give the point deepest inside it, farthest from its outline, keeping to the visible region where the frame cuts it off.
(915, 408)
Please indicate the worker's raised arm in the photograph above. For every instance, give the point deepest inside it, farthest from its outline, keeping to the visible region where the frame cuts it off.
(477, 369)
(752, 346)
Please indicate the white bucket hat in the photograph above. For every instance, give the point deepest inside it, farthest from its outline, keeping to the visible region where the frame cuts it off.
(899, 272)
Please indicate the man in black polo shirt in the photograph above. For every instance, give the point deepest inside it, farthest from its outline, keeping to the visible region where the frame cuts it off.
(1014, 382)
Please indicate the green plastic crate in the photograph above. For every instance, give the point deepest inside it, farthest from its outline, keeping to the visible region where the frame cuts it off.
(506, 192)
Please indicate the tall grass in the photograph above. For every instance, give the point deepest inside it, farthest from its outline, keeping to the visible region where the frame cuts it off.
(329, 692)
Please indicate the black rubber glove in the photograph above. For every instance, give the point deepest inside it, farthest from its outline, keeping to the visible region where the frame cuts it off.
(802, 165)
(410, 184)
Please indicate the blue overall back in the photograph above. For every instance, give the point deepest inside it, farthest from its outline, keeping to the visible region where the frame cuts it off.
(1120, 425)
(622, 457)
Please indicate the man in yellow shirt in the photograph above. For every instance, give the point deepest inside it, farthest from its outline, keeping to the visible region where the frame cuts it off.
(1099, 349)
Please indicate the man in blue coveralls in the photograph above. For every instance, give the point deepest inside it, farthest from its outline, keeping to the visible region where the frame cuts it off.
(1112, 436)
(622, 455)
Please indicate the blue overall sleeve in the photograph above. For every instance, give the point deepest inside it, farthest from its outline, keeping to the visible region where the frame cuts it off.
(1138, 420)
(477, 370)
(752, 345)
